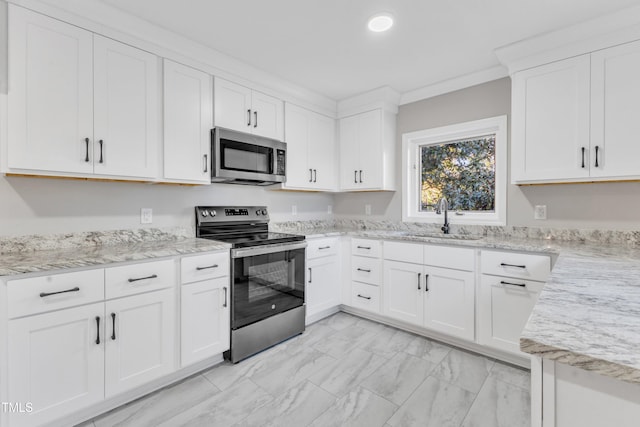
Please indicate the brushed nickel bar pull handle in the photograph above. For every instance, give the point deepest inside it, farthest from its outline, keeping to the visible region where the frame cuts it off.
(361, 177)
(249, 117)
(502, 264)
(362, 296)
(597, 148)
(315, 175)
(101, 142)
(86, 156)
(310, 175)
(207, 267)
(46, 294)
(365, 270)
(522, 285)
(255, 116)
(355, 177)
(97, 330)
(426, 283)
(153, 276)
(419, 276)
(583, 149)
(225, 296)
(365, 247)
(206, 163)
(324, 247)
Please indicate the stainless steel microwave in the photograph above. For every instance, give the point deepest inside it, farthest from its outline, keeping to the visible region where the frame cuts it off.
(241, 158)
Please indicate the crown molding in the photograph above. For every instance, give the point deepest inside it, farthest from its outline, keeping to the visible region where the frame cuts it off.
(383, 97)
(605, 31)
(111, 22)
(454, 84)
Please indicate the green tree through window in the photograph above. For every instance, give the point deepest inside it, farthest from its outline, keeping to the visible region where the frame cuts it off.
(463, 171)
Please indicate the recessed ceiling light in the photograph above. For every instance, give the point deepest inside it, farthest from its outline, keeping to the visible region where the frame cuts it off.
(380, 22)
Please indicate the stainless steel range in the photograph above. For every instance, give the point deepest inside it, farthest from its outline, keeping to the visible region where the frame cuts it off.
(267, 276)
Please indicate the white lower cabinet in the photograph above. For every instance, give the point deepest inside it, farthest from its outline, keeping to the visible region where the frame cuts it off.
(323, 290)
(205, 327)
(56, 362)
(436, 298)
(140, 340)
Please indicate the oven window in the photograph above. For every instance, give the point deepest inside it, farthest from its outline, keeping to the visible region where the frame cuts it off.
(264, 285)
(245, 157)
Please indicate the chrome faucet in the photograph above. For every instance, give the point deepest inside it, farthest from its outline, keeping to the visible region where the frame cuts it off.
(443, 205)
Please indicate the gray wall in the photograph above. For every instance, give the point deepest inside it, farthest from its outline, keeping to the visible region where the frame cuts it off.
(36, 205)
(604, 205)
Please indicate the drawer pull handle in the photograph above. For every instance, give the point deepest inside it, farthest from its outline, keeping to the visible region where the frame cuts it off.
(207, 267)
(113, 330)
(522, 285)
(364, 269)
(153, 276)
(310, 275)
(362, 296)
(365, 247)
(426, 283)
(46, 294)
(324, 247)
(225, 296)
(502, 264)
(98, 330)
(419, 276)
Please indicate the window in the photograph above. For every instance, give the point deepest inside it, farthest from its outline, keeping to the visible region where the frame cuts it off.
(464, 163)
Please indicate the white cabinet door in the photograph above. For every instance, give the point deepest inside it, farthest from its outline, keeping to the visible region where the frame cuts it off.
(403, 291)
(323, 284)
(50, 100)
(322, 152)
(140, 340)
(504, 308)
(449, 305)
(56, 362)
(297, 136)
(188, 119)
(550, 134)
(205, 319)
(615, 111)
(232, 106)
(349, 153)
(370, 172)
(127, 110)
(268, 116)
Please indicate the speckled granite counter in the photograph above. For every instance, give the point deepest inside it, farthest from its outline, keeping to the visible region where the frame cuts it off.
(588, 314)
(30, 254)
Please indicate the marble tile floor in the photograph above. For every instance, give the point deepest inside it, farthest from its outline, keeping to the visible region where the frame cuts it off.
(343, 371)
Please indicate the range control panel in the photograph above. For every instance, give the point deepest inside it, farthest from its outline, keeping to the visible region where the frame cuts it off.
(208, 214)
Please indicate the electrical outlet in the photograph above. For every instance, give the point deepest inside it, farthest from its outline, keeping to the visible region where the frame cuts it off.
(540, 212)
(294, 210)
(367, 209)
(146, 216)
(329, 209)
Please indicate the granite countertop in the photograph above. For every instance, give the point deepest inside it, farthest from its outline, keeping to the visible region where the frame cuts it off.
(588, 313)
(20, 262)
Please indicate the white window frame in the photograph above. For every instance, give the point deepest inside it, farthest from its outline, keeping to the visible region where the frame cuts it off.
(411, 143)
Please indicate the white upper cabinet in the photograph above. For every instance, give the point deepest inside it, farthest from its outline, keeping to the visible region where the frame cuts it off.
(79, 103)
(126, 110)
(367, 147)
(240, 108)
(50, 110)
(310, 139)
(551, 121)
(615, 111)
(577, 119)
(188, 119)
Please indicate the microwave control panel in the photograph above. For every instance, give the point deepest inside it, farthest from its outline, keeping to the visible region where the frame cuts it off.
(280, 162)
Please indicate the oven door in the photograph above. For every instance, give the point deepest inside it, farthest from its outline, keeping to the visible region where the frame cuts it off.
(267, 280)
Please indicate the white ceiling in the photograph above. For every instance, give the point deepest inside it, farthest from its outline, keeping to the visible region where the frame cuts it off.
(323, 45)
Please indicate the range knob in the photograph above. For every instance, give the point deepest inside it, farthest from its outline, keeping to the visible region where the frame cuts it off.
(212, 213)
(258, 212)
(264, 211)
(205, 213)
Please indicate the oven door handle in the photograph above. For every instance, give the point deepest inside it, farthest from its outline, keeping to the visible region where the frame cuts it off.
(267, 249)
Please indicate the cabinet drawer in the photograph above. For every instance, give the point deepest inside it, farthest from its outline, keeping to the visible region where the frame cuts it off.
(366, 297)
(366, 247)
(138, 278)
(367, 270)
(203, 267)
(404, 252)
(509, 264)
(53, 292)
(448, 257)
(317, 248)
